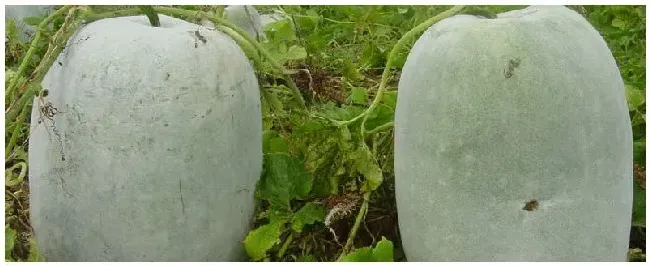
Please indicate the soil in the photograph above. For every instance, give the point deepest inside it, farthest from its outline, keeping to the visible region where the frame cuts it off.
(319, 85)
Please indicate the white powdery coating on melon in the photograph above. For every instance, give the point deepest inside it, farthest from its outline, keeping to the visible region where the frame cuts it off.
(156, 148)
(493, 113)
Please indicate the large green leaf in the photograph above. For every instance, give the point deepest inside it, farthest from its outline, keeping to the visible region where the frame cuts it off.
(274, 143)
(284, 179)
(358, 95)
(308, 214)
(383, 252)
(280, 31)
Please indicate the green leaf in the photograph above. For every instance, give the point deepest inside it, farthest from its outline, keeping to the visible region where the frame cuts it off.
(33, 21)
(284, 179)
(358, 95)
(390, 98)
(383, 252)
(280, 31)
(307, 22)
(350, 70)
(381, 115)
(345, 133)
(635, 97)
(10, 240)
(638, 119)
(296, 52)
(638, 207)
(371, 56)
(274, 143)
(308, 214)
(639, 152)
(10, 30)
(279, 213)
(310, 126)
(34, 254)
(278, 145)
(619, 23)
(479, 11)
(260, 240)
(366, 164)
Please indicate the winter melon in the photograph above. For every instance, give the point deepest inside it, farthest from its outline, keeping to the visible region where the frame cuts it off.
(247, 18)
(513, 142)
(147, 146)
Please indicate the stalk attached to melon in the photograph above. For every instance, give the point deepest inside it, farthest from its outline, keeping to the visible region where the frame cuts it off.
(245, 40)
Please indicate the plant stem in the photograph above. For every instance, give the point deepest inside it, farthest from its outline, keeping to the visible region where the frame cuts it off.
(220, 21)
(220, 10)
(12, 182)
(55, 47)
(16, 133)
(151, 14)
(217, 21)
(90, 16)
(284, 247)
(410, 35)
(245, 45)
(360, 216)
(32, 48)
(381, 128)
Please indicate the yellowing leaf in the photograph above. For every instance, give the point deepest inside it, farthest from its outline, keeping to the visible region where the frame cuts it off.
(366, 164)
(260, 240)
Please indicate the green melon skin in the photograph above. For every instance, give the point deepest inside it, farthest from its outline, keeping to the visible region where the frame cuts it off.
(477, 136)
(155, 150)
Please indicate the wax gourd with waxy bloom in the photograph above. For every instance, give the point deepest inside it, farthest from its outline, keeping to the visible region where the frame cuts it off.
(154, 149)
(513, 142)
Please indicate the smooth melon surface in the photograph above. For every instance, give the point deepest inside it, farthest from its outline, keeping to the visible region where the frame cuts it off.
(155, 150)
(493, 114)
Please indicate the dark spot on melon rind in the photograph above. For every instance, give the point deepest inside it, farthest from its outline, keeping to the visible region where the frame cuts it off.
(531, 205)
(509, 71)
